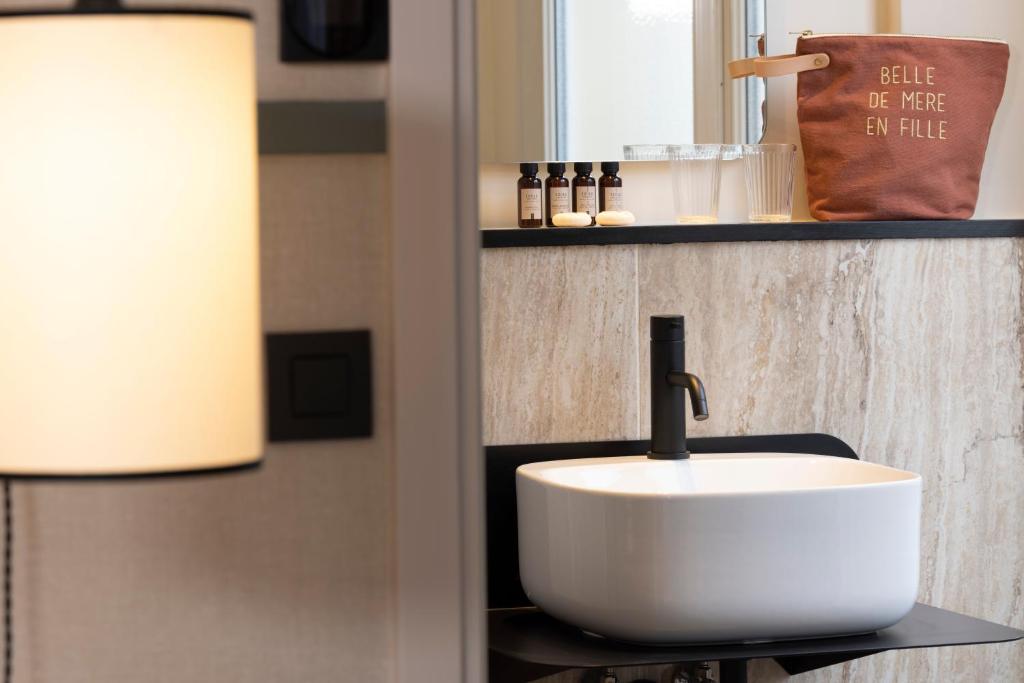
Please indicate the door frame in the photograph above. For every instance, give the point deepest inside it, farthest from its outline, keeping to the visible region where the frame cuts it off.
(440, 593)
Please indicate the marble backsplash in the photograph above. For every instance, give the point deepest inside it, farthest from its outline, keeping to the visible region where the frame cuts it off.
(911, 351)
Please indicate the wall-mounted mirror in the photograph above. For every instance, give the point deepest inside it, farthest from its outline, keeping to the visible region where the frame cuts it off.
(581, 79)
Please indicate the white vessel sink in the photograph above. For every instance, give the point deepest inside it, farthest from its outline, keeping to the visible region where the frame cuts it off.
(725, 547)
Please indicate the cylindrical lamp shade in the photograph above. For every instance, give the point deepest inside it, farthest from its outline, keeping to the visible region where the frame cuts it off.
(129, 264)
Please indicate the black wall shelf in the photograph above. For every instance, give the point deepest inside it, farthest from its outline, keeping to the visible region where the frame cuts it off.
(526, 644)
(748, 232)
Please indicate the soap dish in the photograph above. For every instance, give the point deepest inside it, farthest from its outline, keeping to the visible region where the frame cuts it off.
(669, 152)
(650, 152)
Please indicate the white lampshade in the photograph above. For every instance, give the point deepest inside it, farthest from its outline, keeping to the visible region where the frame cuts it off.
(129, 265)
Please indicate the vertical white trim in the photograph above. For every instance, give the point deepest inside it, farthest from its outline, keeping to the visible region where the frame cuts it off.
(734, 103)
(550, 80)
(439, 505)
(471, 450)
(709, 71)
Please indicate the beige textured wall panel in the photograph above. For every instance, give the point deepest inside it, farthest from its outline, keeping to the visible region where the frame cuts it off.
(278, 575)
(326, 237)
(911, 351)
(284, 574)
(559, 344)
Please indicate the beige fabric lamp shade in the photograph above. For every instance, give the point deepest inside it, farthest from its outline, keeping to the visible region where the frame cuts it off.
(130, 336)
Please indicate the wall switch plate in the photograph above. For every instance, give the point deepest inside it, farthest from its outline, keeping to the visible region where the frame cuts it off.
(319, 385)
(334, 30)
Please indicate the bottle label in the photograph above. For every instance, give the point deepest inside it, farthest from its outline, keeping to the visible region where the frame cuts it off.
(560, 200)
(586, 200)
(613, 199)
(529, 204)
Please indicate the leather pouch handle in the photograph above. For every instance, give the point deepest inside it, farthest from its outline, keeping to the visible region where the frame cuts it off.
(781, 65)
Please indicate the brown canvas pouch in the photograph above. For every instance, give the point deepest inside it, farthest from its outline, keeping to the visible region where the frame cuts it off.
(892, 126)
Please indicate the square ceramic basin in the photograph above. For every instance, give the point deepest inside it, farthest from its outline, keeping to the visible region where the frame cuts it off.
(719, 548)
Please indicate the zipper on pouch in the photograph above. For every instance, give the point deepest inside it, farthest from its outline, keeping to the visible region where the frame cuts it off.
(808, 34)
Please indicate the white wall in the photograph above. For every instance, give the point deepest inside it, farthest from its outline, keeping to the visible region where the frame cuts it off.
(629, 73)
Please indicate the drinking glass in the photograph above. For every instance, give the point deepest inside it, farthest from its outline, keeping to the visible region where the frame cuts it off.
(696, 176)
(768, 170)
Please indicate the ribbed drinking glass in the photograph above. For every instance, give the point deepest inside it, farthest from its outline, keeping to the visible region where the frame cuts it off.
(696, 176)
(768, 170)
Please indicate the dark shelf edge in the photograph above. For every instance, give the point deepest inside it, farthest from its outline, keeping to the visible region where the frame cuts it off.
(526, 644)
(749, 232)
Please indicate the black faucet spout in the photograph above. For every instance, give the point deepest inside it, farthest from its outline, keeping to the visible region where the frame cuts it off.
(669, 384)
(698, 399)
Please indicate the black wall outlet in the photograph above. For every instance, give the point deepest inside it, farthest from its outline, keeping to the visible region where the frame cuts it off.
(319, 385)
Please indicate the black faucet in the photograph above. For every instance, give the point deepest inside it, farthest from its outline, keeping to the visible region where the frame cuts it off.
(669, 381)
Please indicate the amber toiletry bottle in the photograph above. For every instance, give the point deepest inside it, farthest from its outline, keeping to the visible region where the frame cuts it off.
(609, 187)
(584, 190)
(529, 197)
(556, 193)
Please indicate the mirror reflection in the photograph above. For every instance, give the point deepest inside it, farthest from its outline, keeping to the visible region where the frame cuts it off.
(581, 79)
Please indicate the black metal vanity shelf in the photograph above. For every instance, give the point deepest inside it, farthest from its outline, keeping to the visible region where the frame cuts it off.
(748, 232)
(525, 644)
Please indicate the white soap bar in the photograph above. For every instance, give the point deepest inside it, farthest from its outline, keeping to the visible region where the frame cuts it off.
(615, 218)
(580, 219)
